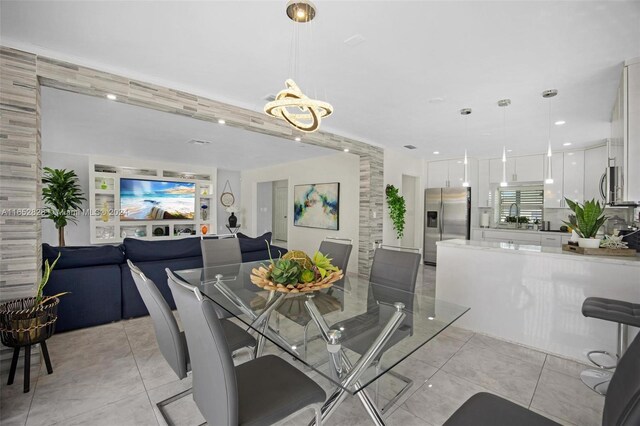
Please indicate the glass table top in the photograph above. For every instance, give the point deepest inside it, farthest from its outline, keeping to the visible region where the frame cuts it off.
(355, 311)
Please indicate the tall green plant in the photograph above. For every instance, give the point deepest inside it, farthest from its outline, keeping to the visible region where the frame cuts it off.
(397, 209)
(589, 217)
(62, 196)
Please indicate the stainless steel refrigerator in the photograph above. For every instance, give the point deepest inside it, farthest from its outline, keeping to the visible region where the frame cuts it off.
(447, 215)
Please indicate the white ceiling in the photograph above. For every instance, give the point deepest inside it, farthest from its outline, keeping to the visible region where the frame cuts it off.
(80, 124)
(470, 54)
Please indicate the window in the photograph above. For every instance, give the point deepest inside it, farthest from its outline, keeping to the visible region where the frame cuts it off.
(529, 200)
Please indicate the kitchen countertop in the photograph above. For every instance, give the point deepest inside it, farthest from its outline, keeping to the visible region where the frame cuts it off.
(523, 230)
(536, 250)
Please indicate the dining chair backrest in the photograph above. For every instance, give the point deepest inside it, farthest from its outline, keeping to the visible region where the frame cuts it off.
(395, 268)
(215, 390)
(170, 340)
(339, 254)
(220, 251)
(622, 403)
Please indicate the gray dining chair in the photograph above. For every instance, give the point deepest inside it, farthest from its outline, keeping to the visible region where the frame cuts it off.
(339, 252)
(261, 391)
(220, 250)
(394, 270)
(171, 340)
(621, 405)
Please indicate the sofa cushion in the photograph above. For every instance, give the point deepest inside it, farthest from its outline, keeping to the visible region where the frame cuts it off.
(248, 244)
(148, 251)
(79, 257)
(132, 304)
(94, 297)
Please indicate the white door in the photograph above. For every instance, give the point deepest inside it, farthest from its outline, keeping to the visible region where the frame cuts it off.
(280, 212)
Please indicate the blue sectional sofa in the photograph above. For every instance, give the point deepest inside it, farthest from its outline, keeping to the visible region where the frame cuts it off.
(99, 282)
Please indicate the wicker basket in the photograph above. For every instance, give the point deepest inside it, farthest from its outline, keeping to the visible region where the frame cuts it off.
(22, 323)
(259, 278)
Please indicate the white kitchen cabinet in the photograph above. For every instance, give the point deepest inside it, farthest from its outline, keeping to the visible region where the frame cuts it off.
(484, 192)
(550, 240)
(632, 147)
(573, 177)
(528, 168)
(553, 191)
(445, 174)
(477, 235)
(595, 164)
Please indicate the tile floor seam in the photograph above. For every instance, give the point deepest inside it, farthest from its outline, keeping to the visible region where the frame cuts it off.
(533, 395)
(487, 348)
(146, 391)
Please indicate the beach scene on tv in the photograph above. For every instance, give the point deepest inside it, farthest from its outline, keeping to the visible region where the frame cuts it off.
(156, 200)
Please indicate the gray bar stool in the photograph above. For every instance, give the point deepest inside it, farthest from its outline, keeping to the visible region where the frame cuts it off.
(625, 314)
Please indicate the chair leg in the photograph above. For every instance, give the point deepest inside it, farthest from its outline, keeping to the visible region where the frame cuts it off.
(168, 401)
(318, 410)
(45, 355)
(14, 364)
(27, 368)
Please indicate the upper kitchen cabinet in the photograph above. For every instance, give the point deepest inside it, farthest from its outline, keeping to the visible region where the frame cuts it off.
(568, 179)
(632, 188)
(484, 192)
(595, 163)
(445, 174)
(528, 168)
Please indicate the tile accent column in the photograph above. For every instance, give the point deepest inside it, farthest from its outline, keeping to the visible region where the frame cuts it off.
(75, 78)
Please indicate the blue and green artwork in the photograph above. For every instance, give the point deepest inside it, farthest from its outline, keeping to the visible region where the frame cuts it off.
(317, 205)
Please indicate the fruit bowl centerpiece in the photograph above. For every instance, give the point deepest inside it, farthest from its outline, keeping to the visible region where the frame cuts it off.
(295, 272)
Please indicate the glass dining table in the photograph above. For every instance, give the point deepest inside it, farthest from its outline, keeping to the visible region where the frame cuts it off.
(352, 333)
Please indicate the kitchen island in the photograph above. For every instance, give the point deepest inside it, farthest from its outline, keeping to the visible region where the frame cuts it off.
(533, 295)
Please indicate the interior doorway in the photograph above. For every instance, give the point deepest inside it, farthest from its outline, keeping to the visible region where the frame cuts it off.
(280, 211)
(410, 194)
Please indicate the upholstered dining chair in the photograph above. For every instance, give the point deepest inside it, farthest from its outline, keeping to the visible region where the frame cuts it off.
(621, 405)
(259, 392)
(171, 340)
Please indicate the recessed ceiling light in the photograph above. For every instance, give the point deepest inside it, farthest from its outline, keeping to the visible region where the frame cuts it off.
(559, 122)
(297, 139)
(509, 150)
(346, 150)
(566, 144)
(221, 121)
(112, 97)
(569, 153)
(198, 142)
(436, 152)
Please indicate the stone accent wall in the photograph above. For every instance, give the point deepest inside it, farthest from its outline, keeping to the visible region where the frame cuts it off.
(20, 137)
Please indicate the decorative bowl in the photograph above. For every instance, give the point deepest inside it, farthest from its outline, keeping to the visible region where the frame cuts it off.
(259, 276)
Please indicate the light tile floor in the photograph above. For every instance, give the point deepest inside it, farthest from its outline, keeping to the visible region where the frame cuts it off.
(114, 375)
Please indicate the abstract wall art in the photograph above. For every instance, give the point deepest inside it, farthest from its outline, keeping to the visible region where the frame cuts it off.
(317, 205)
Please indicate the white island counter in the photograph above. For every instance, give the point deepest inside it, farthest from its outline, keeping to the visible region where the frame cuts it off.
(533, 295)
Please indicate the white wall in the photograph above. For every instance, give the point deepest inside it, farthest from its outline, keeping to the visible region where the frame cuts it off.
(223, 216)
(396, 164)
(342, 167)
(75, 234)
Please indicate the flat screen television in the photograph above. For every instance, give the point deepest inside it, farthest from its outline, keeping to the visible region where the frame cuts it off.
(142, 199)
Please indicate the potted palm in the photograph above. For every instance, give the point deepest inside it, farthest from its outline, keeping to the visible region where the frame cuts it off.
(62, 196)
(589, 217)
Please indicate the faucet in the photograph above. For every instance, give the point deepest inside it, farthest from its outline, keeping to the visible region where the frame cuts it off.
(517, 213)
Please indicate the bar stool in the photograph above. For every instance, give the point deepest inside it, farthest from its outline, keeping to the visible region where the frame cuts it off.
(625, 314)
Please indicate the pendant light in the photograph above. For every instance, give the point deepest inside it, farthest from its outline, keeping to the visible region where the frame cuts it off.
(504, 103)
(465, 112)
(548, 94)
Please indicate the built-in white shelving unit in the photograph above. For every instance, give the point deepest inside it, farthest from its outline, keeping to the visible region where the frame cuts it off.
(107, 227)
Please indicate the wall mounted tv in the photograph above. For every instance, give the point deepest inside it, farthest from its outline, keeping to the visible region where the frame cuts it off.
(142, 199)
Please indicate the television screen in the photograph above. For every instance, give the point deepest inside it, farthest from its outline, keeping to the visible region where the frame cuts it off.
(142, 199)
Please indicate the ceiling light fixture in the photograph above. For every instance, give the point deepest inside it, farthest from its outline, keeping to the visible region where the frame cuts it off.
(466, 112)
(504, 103)
(290, 104)
(548, 94)
(346, 150)
(559, 122)
(436, 152)
(566, 144)
(221, 121)
(111, 97)
(298, 139)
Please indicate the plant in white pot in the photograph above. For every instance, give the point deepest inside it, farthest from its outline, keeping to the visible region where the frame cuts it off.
(589, 217)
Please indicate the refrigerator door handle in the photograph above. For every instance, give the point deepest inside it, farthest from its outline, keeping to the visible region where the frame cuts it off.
(441, 219)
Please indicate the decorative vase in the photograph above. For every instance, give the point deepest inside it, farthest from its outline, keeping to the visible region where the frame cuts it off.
(204, 229)
(204, 213)
(589, 242)
(104, 185)
(233, 220)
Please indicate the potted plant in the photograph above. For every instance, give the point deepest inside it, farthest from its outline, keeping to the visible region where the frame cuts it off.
(589, 217)
(397, 209)
(30, 320)
(62, 197)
